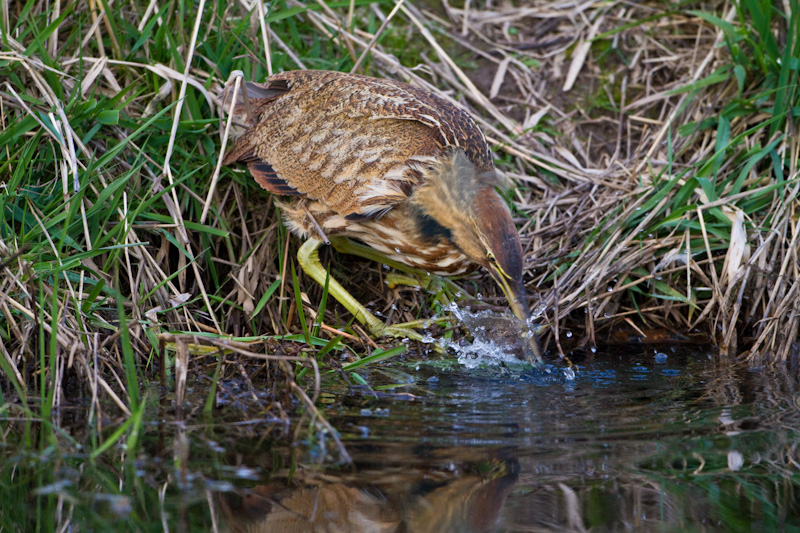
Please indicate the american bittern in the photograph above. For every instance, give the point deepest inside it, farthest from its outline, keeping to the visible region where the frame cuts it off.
(395, 167)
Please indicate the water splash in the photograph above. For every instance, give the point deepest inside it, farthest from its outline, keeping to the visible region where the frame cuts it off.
(498, 337)
(484, 353)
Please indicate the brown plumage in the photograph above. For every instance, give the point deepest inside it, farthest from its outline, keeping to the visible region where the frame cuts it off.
(393, 166)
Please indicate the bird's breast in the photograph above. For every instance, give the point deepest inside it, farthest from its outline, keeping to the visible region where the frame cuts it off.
(426, 247)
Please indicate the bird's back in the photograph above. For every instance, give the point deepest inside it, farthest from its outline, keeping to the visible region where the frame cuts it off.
(354, 143)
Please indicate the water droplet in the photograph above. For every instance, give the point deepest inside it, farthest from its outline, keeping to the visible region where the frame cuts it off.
(735, 460)
(568, 334)
(593, 349)
(366, 412)
(610, 289)
(661, 357)
(245, 473)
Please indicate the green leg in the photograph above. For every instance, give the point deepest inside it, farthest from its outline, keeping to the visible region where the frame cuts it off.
(412, 277)
(308, 256)
(309, 260)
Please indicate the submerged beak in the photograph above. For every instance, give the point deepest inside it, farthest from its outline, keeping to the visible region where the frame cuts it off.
(518, 301)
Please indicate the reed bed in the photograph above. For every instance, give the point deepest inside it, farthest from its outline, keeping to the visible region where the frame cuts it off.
(650, 148)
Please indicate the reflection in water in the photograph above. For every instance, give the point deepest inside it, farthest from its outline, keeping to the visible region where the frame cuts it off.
(635, 442)
(465, 498)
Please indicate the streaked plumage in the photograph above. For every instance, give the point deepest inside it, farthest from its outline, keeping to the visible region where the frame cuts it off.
(396, 167)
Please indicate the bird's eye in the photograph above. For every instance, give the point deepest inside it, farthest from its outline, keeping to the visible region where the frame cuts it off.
(491, 258)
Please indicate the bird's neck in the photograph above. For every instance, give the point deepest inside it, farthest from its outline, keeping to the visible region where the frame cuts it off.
(428, 228)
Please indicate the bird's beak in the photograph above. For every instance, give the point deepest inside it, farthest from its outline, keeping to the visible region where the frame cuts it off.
(518, 301)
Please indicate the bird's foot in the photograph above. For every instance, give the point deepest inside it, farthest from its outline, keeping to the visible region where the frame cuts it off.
(411, 330)
(406, 330)
(402, 331)
(393, 280)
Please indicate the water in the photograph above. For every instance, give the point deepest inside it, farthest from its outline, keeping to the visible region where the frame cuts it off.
(497, 338)
(634, 441)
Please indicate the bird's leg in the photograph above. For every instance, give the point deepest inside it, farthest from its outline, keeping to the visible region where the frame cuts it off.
(308, 256)
(412, 277)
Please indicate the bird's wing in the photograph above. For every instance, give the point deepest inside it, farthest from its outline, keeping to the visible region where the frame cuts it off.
(351, 142)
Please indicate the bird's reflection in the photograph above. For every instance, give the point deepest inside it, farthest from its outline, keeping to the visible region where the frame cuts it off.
(461, 497)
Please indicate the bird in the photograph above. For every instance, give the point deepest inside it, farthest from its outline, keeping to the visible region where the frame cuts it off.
(381, 169)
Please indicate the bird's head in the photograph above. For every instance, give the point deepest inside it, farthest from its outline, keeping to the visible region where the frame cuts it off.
(465, 203)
